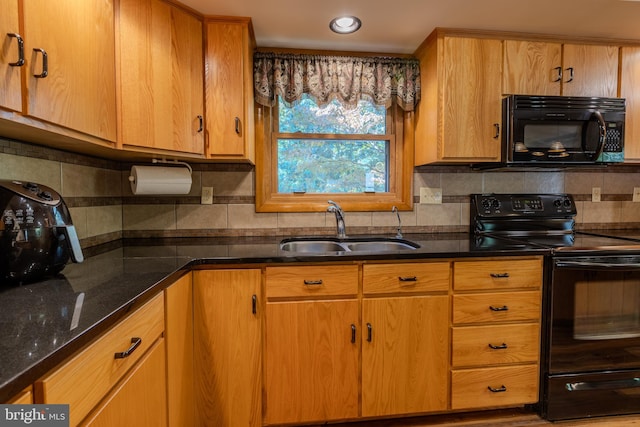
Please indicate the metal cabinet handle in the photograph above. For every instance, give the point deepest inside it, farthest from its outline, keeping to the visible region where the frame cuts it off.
(408, 279)
(502, 389)
(502, 346)
(135, 342)
(353, 333)
(20, 61)
(369, 332)
(313, 282)
(45, 63)
(570, 75)
(497, 127)
(254, 304)
(503, 308)
(237, 122)
(499, 275)
(200, 123)
(558, 75)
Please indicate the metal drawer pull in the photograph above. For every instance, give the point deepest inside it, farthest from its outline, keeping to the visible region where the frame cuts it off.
(369, 332)
(503, 308)
(497, 127)
(254, 304)
(502, 389)
(313, 282)
(502, 346)
(559, 78)
(353, 333)
(20, 61)
(135, 342)
(237, 122)
(45, 64)
(499, 275)
(408, 279)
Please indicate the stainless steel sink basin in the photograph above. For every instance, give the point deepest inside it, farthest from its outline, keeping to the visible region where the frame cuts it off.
(321, 245)
(311, 246)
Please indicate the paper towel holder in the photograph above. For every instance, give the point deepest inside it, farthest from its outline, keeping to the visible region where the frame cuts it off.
(177, 179)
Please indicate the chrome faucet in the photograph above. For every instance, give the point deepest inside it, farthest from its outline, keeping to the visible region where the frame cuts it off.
(399, 233)
(337, 210)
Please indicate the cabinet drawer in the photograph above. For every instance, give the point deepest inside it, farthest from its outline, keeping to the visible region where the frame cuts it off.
(496, 307)
(499, 274)
(308, 281)
(85, 379)
(495, 345)
(405, 277)
(512, 385)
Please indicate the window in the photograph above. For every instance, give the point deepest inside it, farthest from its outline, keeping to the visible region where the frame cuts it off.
(355, 146)
(358, 157)
(332, 149)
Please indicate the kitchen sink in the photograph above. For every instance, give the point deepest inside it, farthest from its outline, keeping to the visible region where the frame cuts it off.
(355, 244)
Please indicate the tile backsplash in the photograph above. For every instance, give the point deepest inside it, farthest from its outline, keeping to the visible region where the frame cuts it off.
(104, 209)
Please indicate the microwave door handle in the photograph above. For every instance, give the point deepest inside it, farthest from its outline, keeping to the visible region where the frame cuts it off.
(603, 133)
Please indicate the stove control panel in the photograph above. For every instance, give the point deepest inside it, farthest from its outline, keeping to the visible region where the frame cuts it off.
(522, 205)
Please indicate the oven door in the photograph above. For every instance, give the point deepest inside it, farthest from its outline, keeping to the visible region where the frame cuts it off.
(593, 332)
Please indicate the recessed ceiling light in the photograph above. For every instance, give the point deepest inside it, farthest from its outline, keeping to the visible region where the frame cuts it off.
(345, 24)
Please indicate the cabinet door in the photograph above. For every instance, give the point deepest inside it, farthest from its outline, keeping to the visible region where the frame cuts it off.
(405, 355)
(161, 81)
(10, 90)
(179, 341)
(630, 89)
(595, 70)
(79, 90)
(472, 99)
(140, 400)
(532, 68)
(227, 347)
(311, 361)
(228, 96)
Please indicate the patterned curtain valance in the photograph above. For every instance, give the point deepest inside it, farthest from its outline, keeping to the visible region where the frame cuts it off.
(347, 78)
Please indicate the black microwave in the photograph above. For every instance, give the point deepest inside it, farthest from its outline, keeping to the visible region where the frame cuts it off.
(562, 130)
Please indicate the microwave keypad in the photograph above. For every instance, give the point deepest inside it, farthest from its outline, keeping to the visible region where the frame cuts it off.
(613, 141)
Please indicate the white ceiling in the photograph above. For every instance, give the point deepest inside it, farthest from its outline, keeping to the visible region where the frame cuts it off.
(399, 26)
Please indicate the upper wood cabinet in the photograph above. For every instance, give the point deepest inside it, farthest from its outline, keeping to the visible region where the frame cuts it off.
(547, 68)
(532, 68)
(229, 89)
(630, 90)
(160, 63)
(458, 118)
(69, 69)
(10, 57)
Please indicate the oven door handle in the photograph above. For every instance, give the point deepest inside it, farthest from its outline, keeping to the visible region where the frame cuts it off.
(603, 385)
(594, 265)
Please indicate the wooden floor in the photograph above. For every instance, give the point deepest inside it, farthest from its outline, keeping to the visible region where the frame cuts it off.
(500, 418)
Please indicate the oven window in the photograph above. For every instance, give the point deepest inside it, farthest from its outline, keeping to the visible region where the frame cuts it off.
(543, 136)
(595, 320)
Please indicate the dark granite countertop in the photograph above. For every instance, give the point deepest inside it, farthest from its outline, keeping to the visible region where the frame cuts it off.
(44, 323)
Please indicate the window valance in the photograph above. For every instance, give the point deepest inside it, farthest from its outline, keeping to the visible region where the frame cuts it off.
(347, 78)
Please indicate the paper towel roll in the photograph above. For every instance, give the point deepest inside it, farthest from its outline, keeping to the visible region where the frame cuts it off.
(160, 180)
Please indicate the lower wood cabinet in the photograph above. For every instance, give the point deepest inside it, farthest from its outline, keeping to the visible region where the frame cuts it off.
(495, 332)
(311, 358)
(404, 355)
(140, 399)
(227, 320)
(127, 359)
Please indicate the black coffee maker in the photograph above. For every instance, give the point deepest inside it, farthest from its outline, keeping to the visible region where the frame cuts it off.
(37, 237)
